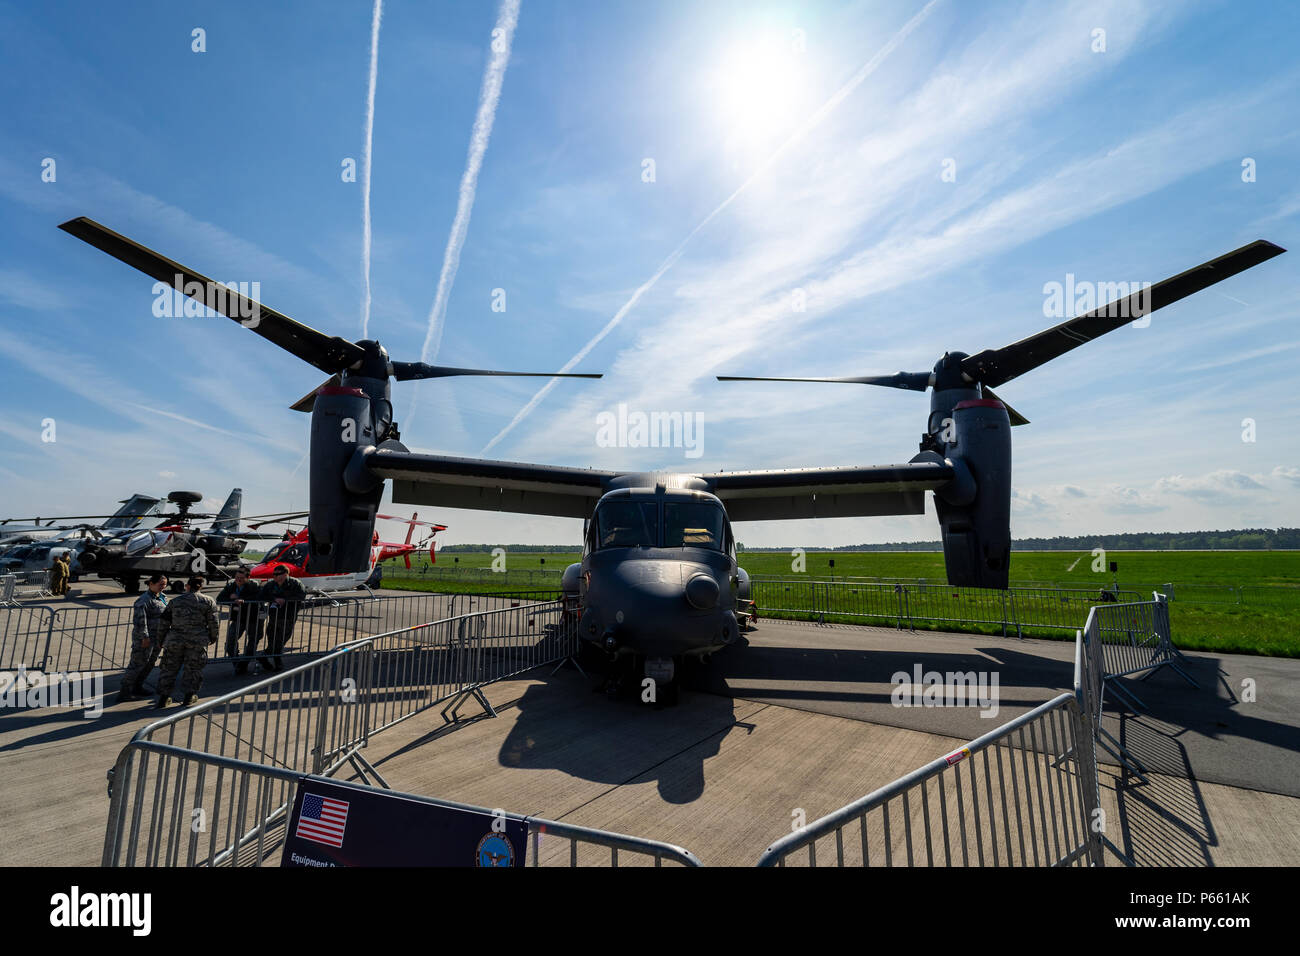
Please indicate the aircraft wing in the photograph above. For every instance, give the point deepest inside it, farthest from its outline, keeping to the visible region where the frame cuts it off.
(829, 492)
(489, 485)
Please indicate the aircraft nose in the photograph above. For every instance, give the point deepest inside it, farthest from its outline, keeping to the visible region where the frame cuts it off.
(702, 592)
(660, 579)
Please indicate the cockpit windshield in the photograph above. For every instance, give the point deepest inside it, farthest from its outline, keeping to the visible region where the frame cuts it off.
(628, 524)
(692, 525)
(287, 554)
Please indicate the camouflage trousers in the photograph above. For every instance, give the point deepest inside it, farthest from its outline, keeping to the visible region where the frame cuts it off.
(139, 666)
(183, 656)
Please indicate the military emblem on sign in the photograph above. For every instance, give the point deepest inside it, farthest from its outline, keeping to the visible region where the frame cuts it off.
(495, 850)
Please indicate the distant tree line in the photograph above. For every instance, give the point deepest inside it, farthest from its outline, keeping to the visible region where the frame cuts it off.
(1248, 539)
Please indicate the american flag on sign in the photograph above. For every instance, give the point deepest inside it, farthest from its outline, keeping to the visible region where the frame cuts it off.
(322, 820)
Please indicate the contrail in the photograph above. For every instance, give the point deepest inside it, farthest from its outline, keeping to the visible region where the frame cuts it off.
(489, 95)
(365, 168)
(807, 126)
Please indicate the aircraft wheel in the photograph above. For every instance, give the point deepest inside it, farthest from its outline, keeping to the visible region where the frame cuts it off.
(178, 587)
(131, 585)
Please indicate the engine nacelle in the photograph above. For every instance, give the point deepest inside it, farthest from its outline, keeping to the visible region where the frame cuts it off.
(344, 496)
(743, 586)
(571, 581)
(975, 509)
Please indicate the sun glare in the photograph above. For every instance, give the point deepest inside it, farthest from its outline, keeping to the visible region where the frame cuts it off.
(757, 87)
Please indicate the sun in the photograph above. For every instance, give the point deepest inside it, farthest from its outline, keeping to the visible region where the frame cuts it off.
(756, 89)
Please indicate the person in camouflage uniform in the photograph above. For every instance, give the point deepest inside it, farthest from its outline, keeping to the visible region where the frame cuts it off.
(187, 627)
(145, 641)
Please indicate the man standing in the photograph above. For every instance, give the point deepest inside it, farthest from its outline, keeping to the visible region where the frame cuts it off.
(283, 596)
(241, 594)
(190, 622)
(145, 639)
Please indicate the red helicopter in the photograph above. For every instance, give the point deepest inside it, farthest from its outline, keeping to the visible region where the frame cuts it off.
(292, 552)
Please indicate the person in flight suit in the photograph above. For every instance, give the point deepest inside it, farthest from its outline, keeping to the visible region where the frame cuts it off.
(187, 627)
(145, 640)
(283, 596)
(242, 595)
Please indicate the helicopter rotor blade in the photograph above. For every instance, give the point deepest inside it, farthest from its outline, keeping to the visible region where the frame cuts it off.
(408, 371)
(1015, 416)
(912, 381)
(998, 366)
(328, 353)
(308, 401)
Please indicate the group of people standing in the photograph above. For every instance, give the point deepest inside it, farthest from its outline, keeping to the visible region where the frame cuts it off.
(182, 630)
(60, 574)
(280, 596)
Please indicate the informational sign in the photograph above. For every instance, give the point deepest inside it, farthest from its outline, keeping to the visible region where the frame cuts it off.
(335, 824)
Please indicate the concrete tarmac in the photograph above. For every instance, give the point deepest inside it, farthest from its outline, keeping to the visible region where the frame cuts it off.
(799, 722)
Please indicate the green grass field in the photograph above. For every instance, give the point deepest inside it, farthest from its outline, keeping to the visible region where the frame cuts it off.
(1228, 601)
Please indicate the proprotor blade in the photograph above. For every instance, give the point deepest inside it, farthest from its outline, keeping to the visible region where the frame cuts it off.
(1015, 416)
(328, 353)
(913, 381)
(308, 401)
(996, 366)
(407, 371)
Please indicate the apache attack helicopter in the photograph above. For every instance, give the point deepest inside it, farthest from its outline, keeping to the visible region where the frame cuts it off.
(658, 581)
(174, 547)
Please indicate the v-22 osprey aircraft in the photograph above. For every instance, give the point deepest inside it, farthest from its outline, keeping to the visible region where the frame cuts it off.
(658, 581)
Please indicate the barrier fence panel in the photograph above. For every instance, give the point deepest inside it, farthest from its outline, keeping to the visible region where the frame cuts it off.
(99, 638)
(90, 639)
(213, 785)
(1010, 798)
(1123, 640)
(23, 585)
(24, 637)
(1132, 639)
(311, 719)
(870, 603)
(184, 808)
(904, 605)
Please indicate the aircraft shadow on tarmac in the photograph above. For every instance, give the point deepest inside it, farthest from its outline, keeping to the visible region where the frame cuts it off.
(566, 724)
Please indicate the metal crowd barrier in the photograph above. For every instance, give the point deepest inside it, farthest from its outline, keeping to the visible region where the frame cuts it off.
(904, 605)
(99, 638)
(511, 576)
(15, 585)
(1023, 794)
(207, 810)
(310, 720)
(25, 637)
(1123, 640)
(1016, 796)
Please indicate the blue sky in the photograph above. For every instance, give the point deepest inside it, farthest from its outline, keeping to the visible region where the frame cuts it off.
(797, 149)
